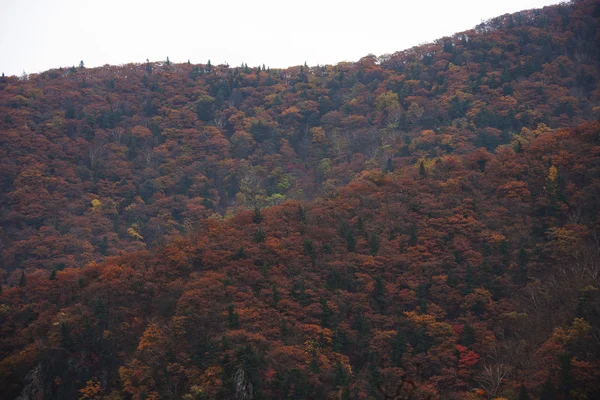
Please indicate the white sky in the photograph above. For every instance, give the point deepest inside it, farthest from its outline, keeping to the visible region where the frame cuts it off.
(36, 35)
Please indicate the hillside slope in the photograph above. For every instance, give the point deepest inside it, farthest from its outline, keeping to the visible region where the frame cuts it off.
(423, 223)
(479, 272)
(95, 161)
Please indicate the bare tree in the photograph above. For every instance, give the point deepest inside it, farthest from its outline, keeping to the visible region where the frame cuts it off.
(148, 152)
(492, 376)
(95, 152)
(243, 389)
(220, 121)
(36, 387)
(117, 134)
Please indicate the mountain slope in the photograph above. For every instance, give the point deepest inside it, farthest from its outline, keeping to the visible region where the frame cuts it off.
(423, 223)
(95, 161)
(480, 273)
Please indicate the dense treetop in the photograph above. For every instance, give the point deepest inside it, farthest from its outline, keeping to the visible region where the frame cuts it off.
(129, 156)
(423, 223)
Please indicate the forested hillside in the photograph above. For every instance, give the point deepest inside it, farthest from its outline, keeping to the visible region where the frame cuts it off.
(118, 158)
(422, 224)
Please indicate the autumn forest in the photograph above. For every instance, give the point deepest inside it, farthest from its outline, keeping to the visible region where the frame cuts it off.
(417, 225)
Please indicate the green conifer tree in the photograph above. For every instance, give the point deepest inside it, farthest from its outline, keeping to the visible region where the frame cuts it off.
(23, 279)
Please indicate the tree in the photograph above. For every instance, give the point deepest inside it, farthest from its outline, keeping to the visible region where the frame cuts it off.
(103, 246)
(81, 65)
(276, 295)
(492, 377)
(309, 250)
(566, 378)
(205, 108)
(340, 375)
(379, 295)
(373, 244)
(233, 317)
(551, 189)
(66, 340)
(523, 393)
(91, 390)
(389, 165)
(523, 259)
(422, 170)
(301, 214)
(327, 314)
(350, 241)
(467, 337)
(413, 235)
(239, 254)
(398, 348)
(257, 218)
(23, 279)
(548, 391)
(260, 235)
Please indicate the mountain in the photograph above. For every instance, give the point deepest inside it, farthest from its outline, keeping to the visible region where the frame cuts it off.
(423, 224)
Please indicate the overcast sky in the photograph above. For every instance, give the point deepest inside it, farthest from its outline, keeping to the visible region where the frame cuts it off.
(36, 35)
